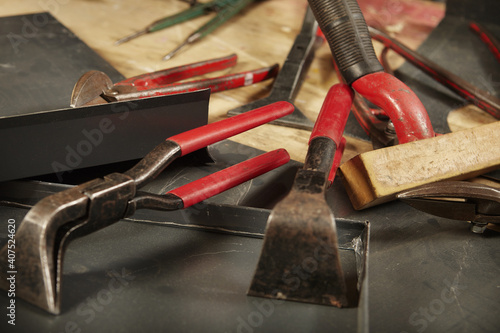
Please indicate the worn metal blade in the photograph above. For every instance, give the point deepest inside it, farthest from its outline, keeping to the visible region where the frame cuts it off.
(88, 89)
(299, 259)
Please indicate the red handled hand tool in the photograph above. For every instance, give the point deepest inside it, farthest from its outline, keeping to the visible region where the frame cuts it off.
(59, 218)
(482, 99)
(302, 227)
(95, 87)
(345, 29)
(292, 74)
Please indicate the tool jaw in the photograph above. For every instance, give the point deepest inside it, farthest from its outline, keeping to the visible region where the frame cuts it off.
(119, 93)
(299, 259)
(38, 263)
(88, 89)
(457, 200)
(49, 226)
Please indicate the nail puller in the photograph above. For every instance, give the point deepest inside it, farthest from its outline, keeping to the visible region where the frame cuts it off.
(95, 87)
(48, 227)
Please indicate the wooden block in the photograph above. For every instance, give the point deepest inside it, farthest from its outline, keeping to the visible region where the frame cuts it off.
(376, 177)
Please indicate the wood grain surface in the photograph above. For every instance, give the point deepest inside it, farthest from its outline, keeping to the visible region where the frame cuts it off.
(376, 177)
(261, 35)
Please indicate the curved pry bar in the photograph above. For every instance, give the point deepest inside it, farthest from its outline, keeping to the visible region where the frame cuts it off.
(55, 220)
(400, 103)
(345, 29)
(482, 99)
(47, 229)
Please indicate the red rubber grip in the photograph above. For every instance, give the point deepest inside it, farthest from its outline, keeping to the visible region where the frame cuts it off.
(333, 115)
(223, 180)
(167, 76)
(203, 136)
(216, 84)
(339, 152)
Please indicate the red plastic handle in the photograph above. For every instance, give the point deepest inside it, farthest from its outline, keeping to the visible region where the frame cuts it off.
(333, 115)
(339, 152)
(157, 79)
(405, 109)
(203, 136)
(223, 180)
(216, 84)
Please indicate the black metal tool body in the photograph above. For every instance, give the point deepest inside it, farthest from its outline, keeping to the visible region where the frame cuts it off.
(287, 84)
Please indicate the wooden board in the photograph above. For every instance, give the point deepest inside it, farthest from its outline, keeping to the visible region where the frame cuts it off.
(377, 176)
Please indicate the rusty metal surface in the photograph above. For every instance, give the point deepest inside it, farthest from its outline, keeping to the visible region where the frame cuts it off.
(95, 87)
(457, 200)
(301, 232)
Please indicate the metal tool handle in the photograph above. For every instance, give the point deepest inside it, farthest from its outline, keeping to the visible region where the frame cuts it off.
(223, 180)
(345, 29)
(206, 135)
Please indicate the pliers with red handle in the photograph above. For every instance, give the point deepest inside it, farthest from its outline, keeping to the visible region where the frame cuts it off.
(78, 211)
(95, 87)
(345, 29)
